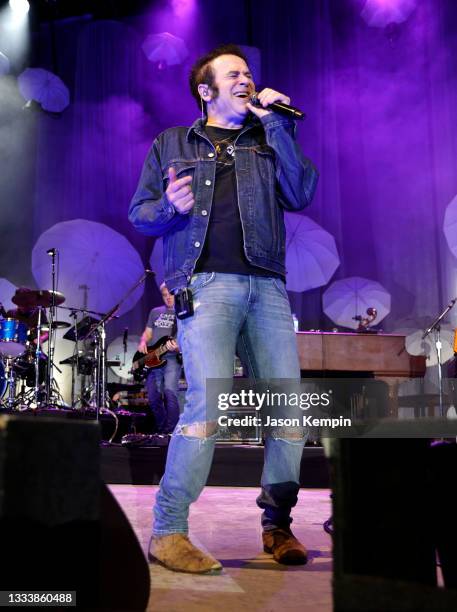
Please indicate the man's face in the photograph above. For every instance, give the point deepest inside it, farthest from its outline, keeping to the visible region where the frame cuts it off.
(233, 86)
(168, 298)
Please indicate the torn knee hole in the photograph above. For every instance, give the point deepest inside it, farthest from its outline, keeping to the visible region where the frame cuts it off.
(199, 430)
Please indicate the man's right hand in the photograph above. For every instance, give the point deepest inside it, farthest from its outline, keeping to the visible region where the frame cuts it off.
(179, 192)
(142, 348)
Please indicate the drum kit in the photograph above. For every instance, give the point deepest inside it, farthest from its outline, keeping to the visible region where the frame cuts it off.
(26, 372)
(22, 359)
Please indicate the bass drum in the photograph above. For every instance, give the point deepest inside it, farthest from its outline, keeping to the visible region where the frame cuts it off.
(3, 383)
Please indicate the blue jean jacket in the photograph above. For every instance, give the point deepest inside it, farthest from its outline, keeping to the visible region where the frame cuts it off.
(272, 176)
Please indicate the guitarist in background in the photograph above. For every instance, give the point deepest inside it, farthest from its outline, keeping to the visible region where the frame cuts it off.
(162, 383)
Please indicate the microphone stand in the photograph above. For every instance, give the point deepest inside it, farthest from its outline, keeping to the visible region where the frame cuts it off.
(436, 327)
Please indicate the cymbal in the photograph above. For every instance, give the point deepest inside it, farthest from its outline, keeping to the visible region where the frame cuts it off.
(83, 329)
(32, 298)
(55, 325)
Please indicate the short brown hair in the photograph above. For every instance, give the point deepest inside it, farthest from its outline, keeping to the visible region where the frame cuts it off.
(202, 71)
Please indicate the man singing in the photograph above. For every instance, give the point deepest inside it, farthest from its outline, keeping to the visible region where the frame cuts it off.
(216, 192)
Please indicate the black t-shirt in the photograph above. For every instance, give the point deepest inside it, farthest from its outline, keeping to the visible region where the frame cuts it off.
(223, 250)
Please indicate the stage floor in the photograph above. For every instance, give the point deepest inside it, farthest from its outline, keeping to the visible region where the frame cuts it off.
(225, 521)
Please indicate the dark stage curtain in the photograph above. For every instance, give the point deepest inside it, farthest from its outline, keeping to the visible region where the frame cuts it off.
(381, 128)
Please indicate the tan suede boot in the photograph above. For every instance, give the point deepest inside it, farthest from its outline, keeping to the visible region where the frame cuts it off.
(284, 547)
(176, 552)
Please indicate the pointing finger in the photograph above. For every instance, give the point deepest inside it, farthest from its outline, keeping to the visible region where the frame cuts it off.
(180, 183)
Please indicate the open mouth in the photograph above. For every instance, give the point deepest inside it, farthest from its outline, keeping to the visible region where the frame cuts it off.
(241, 94)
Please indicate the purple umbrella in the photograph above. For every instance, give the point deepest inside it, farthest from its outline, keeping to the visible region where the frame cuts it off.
(165, 49)
(44, 87)
(94, 261)
(311, 255)
(351, 297)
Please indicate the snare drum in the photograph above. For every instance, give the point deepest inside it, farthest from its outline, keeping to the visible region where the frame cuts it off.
(13, 336)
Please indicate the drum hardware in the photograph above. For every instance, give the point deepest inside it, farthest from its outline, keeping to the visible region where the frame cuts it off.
(22, 359)
(11, 380)
(38, 398)
(101, 396)
(82, 362)
(3, 382)
(56, 299)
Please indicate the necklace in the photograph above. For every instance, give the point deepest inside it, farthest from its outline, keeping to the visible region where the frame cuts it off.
(224, 146)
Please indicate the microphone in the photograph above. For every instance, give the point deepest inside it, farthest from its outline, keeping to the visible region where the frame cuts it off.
(279, 107)
(124, 339)
(51, 252)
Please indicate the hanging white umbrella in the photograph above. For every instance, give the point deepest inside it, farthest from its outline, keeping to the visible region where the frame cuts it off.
(351, 297)
(4, 64)
(415, 345)
(450, 225)
(165, 49)
(94, 260)
(7, 290)
(311, 254)
(381, 14)
(156, 261)
(44, 87)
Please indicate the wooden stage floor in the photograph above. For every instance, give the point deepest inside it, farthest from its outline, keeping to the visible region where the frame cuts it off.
(225, 521)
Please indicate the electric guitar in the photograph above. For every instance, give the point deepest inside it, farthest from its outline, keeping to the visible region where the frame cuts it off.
(142, 363)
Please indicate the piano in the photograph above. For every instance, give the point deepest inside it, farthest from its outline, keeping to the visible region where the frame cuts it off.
(382, 356)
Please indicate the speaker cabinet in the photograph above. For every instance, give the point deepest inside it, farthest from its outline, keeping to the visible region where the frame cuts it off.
(60, 527)
(392, 513)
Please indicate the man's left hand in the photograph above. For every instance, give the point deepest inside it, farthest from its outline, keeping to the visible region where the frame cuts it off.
(266, 97)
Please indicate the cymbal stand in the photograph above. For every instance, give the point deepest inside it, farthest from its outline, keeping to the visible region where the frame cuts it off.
(52, 331)
(37, 359)
(100, 347)
(11, 380)
(436, 328)
(75, 362)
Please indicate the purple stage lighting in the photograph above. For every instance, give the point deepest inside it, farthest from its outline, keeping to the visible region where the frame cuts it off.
(183, 8)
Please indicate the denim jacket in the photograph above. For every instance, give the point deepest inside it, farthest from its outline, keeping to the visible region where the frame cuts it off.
(271, 174)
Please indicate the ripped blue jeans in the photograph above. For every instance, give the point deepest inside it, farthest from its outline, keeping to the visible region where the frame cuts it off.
(250, 315)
